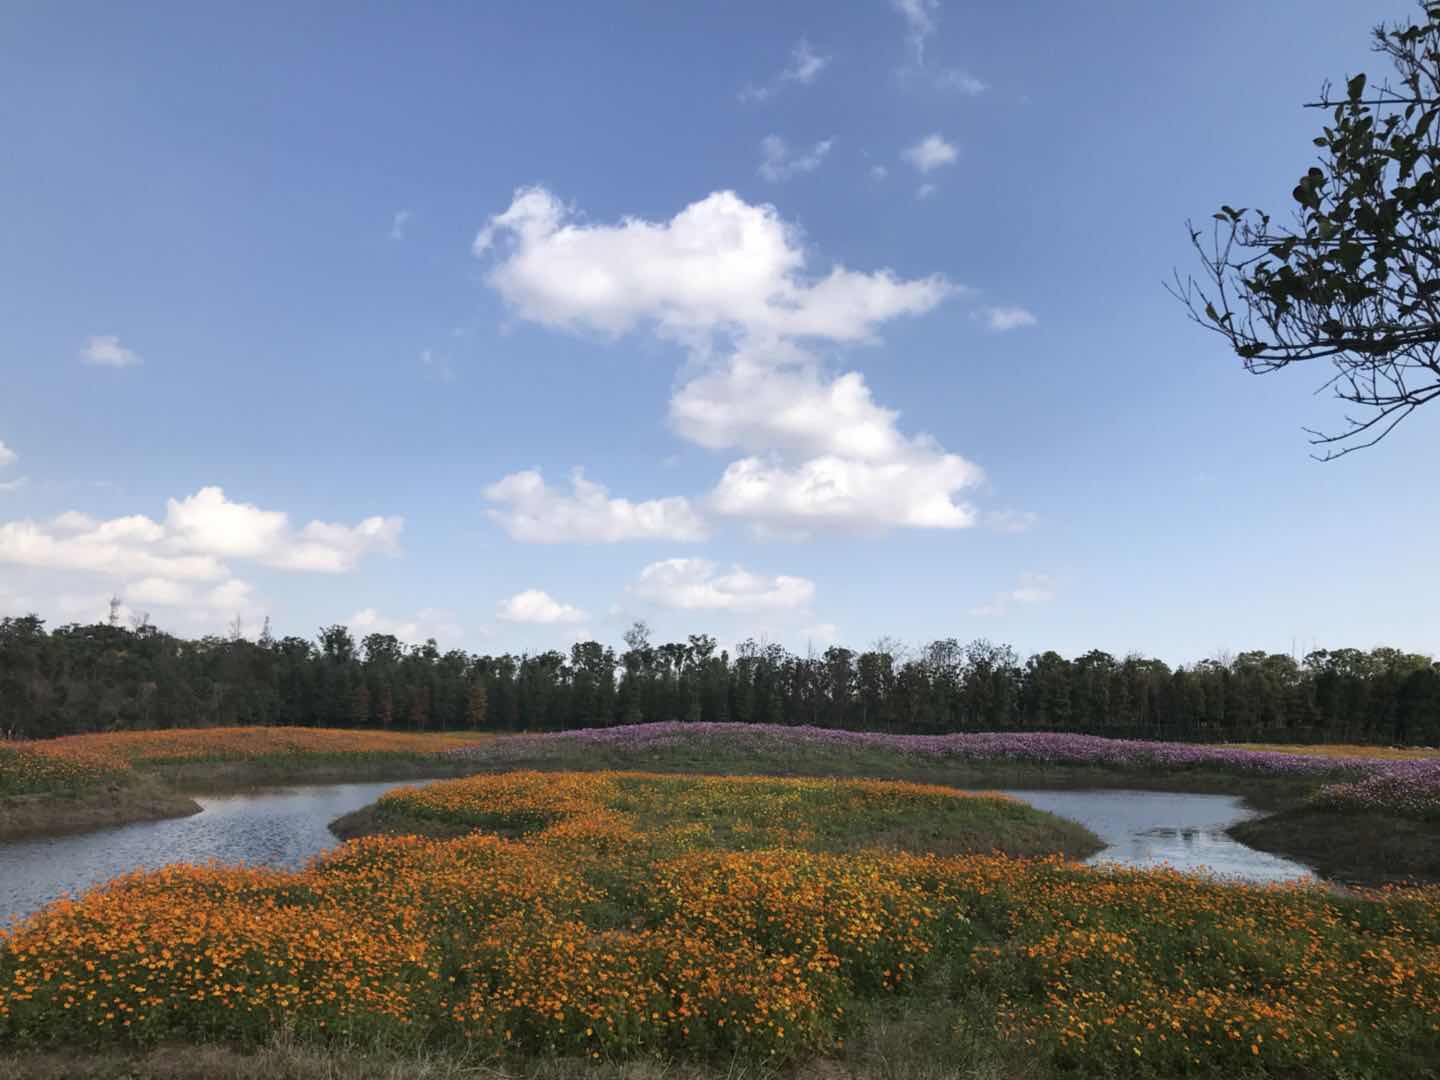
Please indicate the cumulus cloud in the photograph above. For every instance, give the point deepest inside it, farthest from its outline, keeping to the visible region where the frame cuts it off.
(803, 68)
(1000, 319)
(536, 606)
(721, 265)
(700, 585)
(398, 224)
(930, 153)
(824, 454)
(780, 163)
(105, 350)
(534, 513)
(7, 456)
(819, 452)
(924, 191)
(1031, 588)
(208, 521)
(199, 532)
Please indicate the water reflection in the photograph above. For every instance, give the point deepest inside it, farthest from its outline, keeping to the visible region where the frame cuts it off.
(1151, 828)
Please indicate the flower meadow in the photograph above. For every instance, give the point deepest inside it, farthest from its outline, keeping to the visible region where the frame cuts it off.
(1407, 783)
(709, 917)
(75, 762)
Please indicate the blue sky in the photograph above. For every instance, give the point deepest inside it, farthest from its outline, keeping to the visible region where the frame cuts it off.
(852, 316)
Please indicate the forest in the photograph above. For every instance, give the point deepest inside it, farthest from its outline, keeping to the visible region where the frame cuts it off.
(109, 677)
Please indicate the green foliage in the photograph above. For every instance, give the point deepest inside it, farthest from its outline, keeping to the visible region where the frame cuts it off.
(107, 678)
(1356, 280)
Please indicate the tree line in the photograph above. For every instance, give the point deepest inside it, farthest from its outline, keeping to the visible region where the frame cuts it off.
(108, 677)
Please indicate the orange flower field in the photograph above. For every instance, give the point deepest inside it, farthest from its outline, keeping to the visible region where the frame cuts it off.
(713, 916)
(76, 761)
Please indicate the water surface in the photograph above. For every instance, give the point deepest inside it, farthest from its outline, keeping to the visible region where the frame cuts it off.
(285, 826)
(275, 827)
(1182, 830)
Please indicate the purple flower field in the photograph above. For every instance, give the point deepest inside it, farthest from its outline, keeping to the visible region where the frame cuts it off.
(1408, 787)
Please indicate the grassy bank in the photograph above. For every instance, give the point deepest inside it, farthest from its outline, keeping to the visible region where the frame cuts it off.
(733, 924)
(740, 813)
(1354, 848)
(93, 781)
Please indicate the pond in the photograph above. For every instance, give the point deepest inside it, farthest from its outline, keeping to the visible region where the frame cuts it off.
(285, 826)
(273, 827)
(1182, 830)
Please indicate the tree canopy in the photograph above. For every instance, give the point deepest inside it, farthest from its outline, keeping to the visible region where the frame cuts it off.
(108, 677)
(1355, 279)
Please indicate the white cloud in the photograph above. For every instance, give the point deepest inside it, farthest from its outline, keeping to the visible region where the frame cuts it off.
(198, 533)
(924, 191)
(207, 521)
(398, 224)
(1000, 319)
(699, 585)
(534, 513)
(1031, 588)
(535, 606)
(820, 452)
(232, 596)
(74, 521)
(106, 351)
(931, 152)
(158, 590)
(721, 265)
(838, 493)
(803, 68)
(104, 550)
(921, 19)
(878, 172)
(919, 16)
(780, 163)
(424, 624)
(7, 456)
(830, 457)
(763, 401)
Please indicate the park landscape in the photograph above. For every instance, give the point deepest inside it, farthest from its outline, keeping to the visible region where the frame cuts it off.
(706, 894)
(743, 862)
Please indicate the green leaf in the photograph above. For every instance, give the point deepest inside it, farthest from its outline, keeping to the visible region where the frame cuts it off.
(1356, 87)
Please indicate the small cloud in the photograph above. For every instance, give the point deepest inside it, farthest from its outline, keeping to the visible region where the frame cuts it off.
(398, 223)
(924, 191)
(1000, 319)
(931, 152)
(780, 163)
(803, 68)
(919, 16)
(106, 351)
(7, 456)
(535, 606)
(878, 172)
(7, 486)
(1030, 589)
(805, 64)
